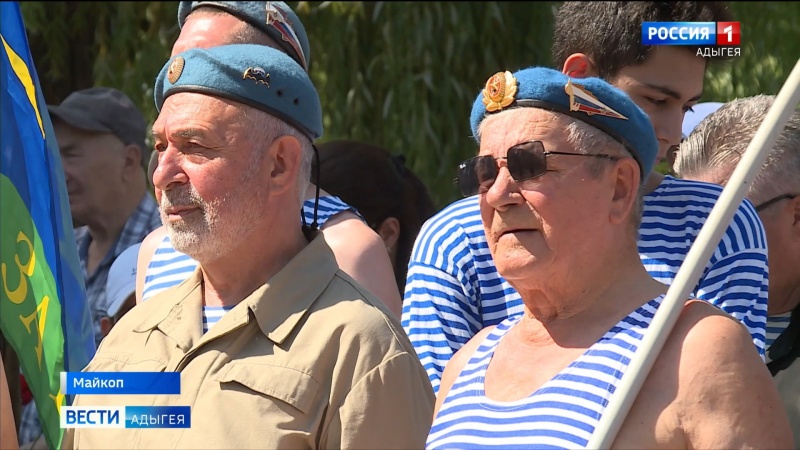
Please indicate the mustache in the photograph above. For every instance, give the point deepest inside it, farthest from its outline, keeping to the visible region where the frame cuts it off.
(181, 197)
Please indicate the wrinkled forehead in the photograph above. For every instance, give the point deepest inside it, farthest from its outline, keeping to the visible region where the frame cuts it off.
(511, 127)
(191, 109)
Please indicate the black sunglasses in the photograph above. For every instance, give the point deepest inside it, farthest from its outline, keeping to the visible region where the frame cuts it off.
(526, 161)
(772, 201)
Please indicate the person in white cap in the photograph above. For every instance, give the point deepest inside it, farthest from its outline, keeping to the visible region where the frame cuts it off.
(121, 287)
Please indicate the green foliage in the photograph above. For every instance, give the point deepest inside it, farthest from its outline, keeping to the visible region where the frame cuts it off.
(77, 45)
(770, 44)
(404, 75)
(132, 52)
(398, 74)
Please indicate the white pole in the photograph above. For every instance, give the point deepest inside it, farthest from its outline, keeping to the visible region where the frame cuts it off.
(689, 273)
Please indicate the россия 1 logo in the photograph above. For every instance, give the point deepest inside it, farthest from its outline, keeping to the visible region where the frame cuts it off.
(712, 38)
(728, 33)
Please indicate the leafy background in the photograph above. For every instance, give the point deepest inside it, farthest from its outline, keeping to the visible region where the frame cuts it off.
(398, 74)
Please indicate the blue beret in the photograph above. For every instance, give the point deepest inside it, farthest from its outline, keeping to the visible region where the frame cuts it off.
(591, 100)
(274, 18)
(256, 75)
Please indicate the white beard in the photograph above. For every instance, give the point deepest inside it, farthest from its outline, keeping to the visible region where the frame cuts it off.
(221, 224)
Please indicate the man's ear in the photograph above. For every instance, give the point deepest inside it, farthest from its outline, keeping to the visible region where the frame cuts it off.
(626, 180)
(578, 65)
(285, 155)
(133, 157)
(105, 326)
(389, 231)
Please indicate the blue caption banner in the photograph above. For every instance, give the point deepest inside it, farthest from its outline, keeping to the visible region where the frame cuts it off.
(120, 383)
(125, 417)
(679, 33)
(157, 417)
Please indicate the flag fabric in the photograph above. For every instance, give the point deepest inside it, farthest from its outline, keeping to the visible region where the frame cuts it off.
(44, 313)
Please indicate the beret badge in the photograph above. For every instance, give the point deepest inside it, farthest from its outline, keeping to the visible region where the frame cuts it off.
(499, 91)
(257, 74)
(580, 99)
(175, 69)
(278, 19)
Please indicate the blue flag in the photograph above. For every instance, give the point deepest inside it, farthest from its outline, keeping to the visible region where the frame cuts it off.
(44, 313)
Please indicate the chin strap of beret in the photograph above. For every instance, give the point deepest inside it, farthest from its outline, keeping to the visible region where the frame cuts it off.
(309, 231)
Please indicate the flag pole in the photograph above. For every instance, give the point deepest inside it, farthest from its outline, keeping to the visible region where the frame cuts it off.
(689, 273)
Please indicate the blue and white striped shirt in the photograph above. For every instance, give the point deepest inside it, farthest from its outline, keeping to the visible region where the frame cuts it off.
(562, 413)
(212, 314)
(169, 267)
(775, 326)
(453, 289)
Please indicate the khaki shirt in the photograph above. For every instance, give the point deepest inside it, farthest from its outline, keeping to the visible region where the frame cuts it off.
(309, 360)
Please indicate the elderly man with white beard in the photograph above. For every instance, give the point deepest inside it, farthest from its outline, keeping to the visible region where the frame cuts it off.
(276, 346)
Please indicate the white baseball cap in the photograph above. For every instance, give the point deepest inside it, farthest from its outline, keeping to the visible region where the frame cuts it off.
(699, 112)
(122, 279)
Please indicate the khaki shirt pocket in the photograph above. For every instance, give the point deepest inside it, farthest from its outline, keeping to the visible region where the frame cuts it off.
(126, 362)
(292, 386)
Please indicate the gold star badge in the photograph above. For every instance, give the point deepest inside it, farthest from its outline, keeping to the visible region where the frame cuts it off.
(499, 91)
(175, 69)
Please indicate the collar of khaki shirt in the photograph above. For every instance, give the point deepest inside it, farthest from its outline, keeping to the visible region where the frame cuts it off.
(278, 306)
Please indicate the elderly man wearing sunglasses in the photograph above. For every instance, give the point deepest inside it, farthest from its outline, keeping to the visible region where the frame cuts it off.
(453, 289)
(559, 178)
(710, 154)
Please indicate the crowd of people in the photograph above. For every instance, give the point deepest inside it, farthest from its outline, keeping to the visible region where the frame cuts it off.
(372, 320)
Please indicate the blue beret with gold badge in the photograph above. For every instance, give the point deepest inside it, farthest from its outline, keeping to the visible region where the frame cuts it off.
(274, 18)
(256, 75)
(591, 100)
